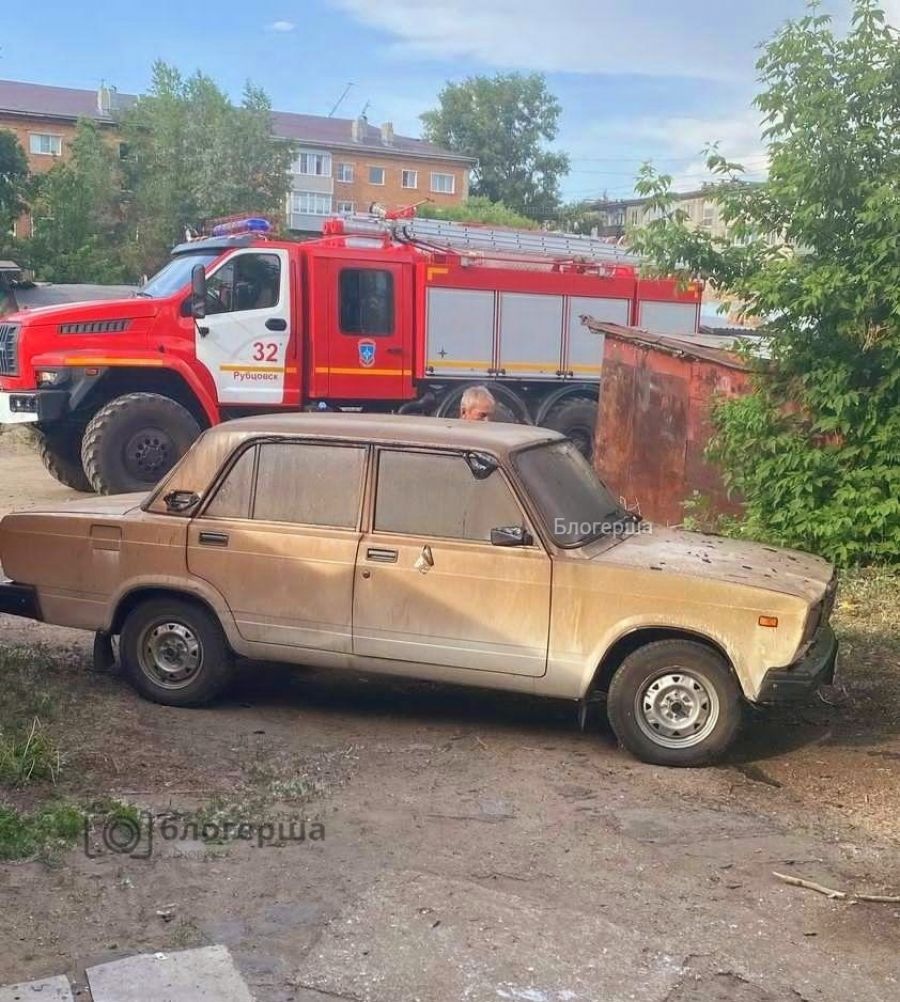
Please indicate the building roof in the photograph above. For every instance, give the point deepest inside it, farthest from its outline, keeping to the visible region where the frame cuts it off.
(70, 104)
(702, 347)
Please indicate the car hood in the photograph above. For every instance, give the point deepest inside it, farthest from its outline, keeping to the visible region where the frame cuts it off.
(677, 551)
(132, 308)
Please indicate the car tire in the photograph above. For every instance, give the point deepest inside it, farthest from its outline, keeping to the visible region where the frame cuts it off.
(133, 441)
(174, 651)
(60, 452)
(675, 703)
(577, 420)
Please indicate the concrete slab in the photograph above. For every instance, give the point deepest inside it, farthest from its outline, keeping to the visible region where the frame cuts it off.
(48, 990)
(416, 935)
(207, 974)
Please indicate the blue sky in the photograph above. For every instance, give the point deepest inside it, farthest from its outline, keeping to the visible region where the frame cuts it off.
(653, 79)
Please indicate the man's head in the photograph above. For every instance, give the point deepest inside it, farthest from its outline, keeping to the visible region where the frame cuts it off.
(477, 404)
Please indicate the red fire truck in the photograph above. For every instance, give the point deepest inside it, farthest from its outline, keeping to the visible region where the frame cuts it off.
(380, 313)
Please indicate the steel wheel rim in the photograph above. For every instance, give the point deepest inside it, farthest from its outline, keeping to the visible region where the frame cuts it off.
(170, 654)
(149, 454)
(677, 708)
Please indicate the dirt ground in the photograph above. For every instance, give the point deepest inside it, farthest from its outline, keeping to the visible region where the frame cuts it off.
(476, 846)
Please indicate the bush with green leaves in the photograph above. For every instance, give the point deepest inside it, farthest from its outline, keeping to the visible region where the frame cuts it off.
(813, 253)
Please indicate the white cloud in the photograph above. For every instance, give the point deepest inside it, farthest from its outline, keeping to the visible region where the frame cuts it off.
(691, 39)
(282, 26)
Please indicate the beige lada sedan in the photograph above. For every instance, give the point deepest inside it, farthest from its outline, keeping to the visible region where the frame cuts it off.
(482, 554)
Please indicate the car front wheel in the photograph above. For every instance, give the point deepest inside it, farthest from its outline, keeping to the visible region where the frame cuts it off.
(174, 652)
(676, 703)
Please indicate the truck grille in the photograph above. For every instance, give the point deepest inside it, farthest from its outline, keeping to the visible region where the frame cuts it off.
(9, 344)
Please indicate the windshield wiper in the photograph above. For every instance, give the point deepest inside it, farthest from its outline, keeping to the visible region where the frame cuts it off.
(142, 294)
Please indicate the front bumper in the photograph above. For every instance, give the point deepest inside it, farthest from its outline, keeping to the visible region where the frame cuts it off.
(797, 681)
(19, 600)
(26, 406)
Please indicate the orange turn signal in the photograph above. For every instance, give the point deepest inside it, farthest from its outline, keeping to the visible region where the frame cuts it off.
(771, 621)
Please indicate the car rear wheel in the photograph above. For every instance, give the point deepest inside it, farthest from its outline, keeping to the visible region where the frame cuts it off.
(133, 441)
(675, 702)
(577, 420)
(174, 652)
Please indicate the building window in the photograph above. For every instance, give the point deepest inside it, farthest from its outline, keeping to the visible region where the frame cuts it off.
(367, 301)
(443, 184)
(45, 145)
(310, 203)
(345, 208)
(410, 179)
(376, 175)
(343, 172)
(318, 164)
(709, 214)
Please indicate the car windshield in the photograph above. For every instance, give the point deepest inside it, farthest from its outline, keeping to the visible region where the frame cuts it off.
(175, 275)
(574, 504)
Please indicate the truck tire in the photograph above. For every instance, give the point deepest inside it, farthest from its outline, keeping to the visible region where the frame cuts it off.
(510, 408)
(675, 702)
(60, 452)
(577, 420)
(173, 651)
(134, 440)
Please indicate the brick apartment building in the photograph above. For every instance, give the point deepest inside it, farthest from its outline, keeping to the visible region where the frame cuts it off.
(342, 165)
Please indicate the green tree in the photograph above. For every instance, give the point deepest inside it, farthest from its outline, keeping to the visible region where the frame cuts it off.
(14, 179)
(504, 121)
(477, 210)
(813, 253)
(77, 208)
(193, 155)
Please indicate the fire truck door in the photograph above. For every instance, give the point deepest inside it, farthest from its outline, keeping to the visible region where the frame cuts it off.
(243, 339)
(369, 331)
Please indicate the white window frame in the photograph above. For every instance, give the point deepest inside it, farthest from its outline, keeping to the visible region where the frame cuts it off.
(344, 172)
(415, 178)
(320, 162)
(351, 207)
(320, 199)
(383, 170)
(442, 191)
(32, 136)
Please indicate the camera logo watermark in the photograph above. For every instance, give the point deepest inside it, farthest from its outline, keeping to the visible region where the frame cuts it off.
(136, 834)
(573, 529)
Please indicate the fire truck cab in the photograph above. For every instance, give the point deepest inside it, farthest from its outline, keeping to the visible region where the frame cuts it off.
(379, 314)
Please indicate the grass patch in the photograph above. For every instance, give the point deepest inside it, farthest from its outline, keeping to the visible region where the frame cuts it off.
(28, 755)
(39, 833)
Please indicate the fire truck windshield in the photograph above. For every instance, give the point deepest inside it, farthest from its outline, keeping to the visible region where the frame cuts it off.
(175, 275)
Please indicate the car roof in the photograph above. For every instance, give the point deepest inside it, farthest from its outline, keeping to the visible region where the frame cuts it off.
(392, 428)
(199, 466)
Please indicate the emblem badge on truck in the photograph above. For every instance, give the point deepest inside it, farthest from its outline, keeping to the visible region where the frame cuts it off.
(366, 353)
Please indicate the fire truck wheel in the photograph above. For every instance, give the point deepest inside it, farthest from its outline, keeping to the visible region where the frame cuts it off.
(60, 451)
(577, 420)
(510, 408)
(134, 440)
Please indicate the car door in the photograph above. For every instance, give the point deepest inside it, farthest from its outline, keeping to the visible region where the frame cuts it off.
(278, 540)
(243, 340)
(431, 588)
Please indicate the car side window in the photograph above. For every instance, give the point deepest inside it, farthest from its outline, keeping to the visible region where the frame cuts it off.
(366, 301)
(309, 484)
(246, 282)
(427, 494)
(232, 498)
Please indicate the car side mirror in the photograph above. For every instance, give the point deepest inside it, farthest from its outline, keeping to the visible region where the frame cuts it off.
(511, 535)
(198, 292)
(181, 501)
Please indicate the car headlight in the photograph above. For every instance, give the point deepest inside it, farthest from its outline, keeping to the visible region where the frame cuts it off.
(50, 377)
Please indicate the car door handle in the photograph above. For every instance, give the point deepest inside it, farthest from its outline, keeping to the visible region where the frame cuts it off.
(276, 324)
(395, 350)
(213, 538)
(381, 556)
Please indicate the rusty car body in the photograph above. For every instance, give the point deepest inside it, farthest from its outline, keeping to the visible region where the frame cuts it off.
(482, 554)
